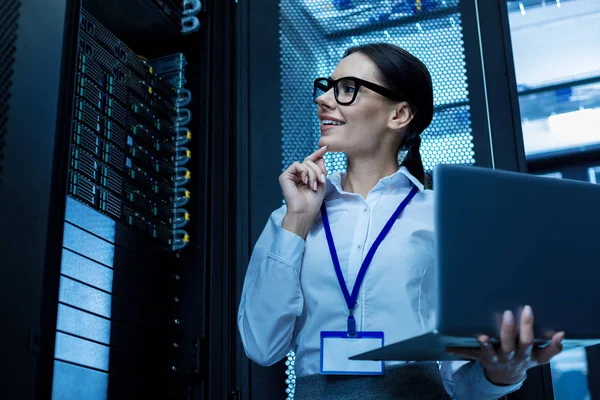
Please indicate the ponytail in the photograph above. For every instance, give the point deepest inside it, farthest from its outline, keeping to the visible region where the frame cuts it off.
(413, 161)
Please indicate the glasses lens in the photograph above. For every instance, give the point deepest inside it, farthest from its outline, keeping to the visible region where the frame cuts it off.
(346, 90)
(321, 87)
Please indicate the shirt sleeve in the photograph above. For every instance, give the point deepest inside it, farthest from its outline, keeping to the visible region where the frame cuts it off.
(271, 296)
(465, 380)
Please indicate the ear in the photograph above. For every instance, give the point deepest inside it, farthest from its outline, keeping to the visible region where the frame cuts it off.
(401, 116)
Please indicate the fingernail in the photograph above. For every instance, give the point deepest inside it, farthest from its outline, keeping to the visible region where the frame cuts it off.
(315, 186)
(323, 178)
(561, 336)
(306, 180)
(486, 344)
(508, 317)
(494, 359)
(527, 312)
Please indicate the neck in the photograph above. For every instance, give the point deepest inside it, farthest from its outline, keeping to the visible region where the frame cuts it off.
(363, 173)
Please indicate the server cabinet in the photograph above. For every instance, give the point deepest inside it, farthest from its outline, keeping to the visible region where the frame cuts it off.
(117, 205)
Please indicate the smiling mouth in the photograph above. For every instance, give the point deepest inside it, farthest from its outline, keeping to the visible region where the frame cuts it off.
(327, 122)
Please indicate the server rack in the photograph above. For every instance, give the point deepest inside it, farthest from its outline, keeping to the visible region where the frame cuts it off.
(116, 256)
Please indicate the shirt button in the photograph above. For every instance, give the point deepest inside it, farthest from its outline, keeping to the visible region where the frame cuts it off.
(360, 246)
(365, 209)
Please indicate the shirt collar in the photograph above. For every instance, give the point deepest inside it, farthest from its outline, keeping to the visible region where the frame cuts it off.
(400, 178)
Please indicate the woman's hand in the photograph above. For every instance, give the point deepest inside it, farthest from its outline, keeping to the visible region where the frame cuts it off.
(303, 185)
(508, 364)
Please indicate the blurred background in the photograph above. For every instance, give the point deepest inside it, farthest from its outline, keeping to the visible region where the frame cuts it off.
(557, 65)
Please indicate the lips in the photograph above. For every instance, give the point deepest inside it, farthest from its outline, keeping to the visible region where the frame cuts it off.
(330, 120)
(328, 123)
(325, 128)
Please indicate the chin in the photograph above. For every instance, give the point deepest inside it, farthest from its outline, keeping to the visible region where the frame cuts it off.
(326, 141)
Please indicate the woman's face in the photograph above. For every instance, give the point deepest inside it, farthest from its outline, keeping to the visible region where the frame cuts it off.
(367, 124)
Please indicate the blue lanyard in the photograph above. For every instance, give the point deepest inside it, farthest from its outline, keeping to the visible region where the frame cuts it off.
(351, 298)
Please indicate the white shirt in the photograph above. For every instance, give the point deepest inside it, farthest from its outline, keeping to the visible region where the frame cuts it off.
(291, 292)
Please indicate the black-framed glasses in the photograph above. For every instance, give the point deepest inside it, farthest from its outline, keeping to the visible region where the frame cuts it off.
(345, 89)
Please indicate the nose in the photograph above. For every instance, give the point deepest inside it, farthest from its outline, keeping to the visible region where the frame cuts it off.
(327, 100)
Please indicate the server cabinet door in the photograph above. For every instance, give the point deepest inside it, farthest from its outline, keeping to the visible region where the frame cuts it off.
(32, 103)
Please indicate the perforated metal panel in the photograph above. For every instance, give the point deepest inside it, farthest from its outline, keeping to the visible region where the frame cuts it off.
(9, 14)
(314, 34)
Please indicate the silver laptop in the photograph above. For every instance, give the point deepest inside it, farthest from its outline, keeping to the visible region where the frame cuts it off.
(505, 240)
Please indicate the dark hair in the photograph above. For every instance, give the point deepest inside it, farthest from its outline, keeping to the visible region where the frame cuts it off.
(402, 72)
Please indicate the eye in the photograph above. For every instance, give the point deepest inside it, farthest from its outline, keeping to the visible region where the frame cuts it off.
(347, 87)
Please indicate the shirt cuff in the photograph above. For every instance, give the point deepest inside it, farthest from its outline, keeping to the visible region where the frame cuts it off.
(488, 387)
(288, 249)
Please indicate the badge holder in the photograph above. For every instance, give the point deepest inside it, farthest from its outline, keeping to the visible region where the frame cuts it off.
(338, 346)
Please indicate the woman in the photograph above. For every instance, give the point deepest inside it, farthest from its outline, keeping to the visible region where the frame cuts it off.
(316, 245)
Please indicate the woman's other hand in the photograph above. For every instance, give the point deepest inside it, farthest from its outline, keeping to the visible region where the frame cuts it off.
(303, 185)
(508, 363)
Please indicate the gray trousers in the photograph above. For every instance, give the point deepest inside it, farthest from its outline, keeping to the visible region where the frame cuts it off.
(412, 381)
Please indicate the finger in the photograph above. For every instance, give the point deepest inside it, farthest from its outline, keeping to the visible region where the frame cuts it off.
(543, 356)
(312, 176)
(314, 157)
(318, 167)
(526, 334)
(488, 353)
(318, 172)
(296, 172)
(471, 354)
(321, 164)
(508, 335)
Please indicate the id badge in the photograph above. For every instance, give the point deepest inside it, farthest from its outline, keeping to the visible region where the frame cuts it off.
(337, 347)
